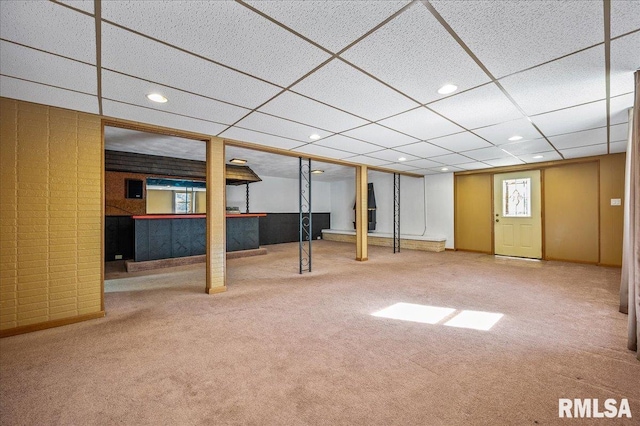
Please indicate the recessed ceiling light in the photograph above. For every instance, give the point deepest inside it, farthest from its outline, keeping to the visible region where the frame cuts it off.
(447, 88)
(314, 137)
(317, 171)
(238, 161)
(515, 138)
(444, 169)
(402, 159)
(157, 97)
(537, 157)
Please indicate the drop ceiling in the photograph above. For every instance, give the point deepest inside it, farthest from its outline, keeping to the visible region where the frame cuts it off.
(363, 75)
(262, 163)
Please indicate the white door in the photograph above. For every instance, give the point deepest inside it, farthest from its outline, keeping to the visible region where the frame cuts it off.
(517, 214)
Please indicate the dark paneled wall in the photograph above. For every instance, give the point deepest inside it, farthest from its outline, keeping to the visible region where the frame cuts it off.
(118, 239)
(117, 161)
(167, 238)
(276, 228)
(242, 233)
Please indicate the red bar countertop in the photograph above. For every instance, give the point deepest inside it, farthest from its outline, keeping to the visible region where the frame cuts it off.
(193, 216)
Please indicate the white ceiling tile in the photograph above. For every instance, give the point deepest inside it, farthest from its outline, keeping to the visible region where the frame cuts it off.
(452, 159)
(422, 124)
(527, 147)
(380, 136)
(126, 140)
(347, 144)
(625, 60)
(585, 151)
(85, 5)
(576, 79)
(473, 166)
(461, 142)
(574, 119)
(40, 67)
(619, 108)
(479, 107)
(224, 31)
(333, 25)
(130, 90)
(47, 95)
(275, 165)
(577, 139)
(619, 132)
(138, 56)
(304, 110)
(342, 86)
(426, 172)
(546, 156)
(277, 126)
(423, 164)
(244, 135)
(499, 134)
(449, 169)
(616, 147)
(364, 159)
(490, 153)
(400, 167)
(313, 149)
(50, 27)
(159, 118)
(506, 161)
(509, 36)
(625, 16)
(385, 55)
(423, 149)
(391, 155)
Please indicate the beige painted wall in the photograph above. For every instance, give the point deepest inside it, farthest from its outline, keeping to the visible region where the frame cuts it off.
(159, 201)
(580, 223)
(473, 201)
(571, 212)
(51, 168)
(611, 217)
(201, 202)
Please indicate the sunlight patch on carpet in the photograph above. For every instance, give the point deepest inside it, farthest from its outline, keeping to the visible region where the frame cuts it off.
(476, 320)
(416, 313)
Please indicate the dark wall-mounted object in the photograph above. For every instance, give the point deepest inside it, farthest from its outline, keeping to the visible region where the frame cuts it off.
(371, 208)
(133, 188)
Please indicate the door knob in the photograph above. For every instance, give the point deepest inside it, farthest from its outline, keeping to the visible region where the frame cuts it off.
(497, 220)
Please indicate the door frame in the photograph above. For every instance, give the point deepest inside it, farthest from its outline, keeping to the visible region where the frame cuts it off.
(542, 211)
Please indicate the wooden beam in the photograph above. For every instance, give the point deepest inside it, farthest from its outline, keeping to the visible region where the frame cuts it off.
(216, 222)
(362, 221)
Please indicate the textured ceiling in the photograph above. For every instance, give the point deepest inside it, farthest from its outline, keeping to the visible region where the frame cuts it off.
(263, 163)
(363, 75)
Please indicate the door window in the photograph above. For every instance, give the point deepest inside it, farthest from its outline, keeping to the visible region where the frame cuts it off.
(516, 197)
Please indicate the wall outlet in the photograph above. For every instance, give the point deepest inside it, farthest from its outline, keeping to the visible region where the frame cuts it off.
(616, 201)
(118, 257)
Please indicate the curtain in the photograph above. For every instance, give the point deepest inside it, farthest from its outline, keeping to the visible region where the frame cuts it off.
(626, 238)
(630, 282)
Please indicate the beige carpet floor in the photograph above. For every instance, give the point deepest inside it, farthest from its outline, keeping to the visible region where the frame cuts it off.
(283, 349)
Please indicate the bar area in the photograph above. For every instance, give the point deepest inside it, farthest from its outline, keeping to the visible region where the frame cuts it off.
(165, 236)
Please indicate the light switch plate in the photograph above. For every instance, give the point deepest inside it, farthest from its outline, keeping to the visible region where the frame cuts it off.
(616, 202)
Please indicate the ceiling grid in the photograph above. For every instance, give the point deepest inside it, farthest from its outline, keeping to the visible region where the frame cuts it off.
(360, 75)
